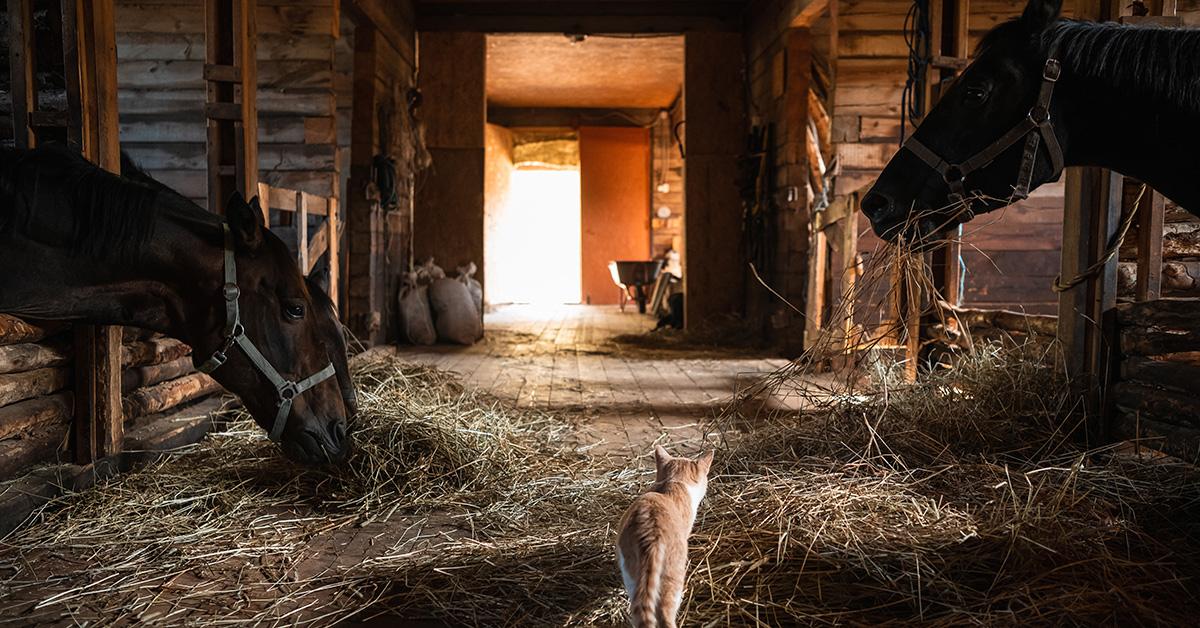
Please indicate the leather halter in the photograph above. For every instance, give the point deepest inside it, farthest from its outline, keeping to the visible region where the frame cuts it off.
(235, 335)
(1036, 128)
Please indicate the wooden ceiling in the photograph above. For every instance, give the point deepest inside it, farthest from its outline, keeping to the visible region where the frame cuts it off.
(549, 71)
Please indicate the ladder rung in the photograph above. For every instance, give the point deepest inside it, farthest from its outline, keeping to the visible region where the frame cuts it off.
(222, 73)
(223, 111)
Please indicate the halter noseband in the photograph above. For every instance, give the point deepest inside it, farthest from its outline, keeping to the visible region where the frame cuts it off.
(235, 335)
(1035, 128)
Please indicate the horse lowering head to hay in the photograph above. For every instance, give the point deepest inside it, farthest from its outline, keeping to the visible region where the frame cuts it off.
(1042, 94)
(81, 244)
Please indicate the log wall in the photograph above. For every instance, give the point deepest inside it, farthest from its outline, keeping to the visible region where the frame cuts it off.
(160, 52)
(1155, 399)
(36, 380)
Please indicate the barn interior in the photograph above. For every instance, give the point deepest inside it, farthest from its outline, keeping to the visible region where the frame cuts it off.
(649, 215)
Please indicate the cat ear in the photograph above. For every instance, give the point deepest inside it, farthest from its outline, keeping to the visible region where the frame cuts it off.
(661, 456)
(706, 461)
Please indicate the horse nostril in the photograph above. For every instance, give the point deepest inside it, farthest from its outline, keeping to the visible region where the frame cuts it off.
(874, 204)
(337, 433)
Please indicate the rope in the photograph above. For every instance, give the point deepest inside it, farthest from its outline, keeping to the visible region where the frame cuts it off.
(1113, 248)
(917, 39)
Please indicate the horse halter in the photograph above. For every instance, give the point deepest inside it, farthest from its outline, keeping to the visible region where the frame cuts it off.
(1035, 128)
(235, 335)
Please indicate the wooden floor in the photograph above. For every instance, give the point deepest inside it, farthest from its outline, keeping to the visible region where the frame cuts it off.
(566, 359)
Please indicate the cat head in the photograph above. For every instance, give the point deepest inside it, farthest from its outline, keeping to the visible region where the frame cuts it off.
(693, 472)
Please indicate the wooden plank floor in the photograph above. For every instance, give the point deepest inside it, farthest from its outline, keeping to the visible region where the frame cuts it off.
(564, 359)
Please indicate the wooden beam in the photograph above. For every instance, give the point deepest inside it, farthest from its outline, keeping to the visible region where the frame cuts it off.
(569, 117)
(628, 16)
(363, 301)
(91, 54)
(231, 100)
(23, 80)
(810, 13)
(333, 234)
(303, 200)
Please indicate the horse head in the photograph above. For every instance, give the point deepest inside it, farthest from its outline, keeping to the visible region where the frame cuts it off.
(279, 347)
(987, 142)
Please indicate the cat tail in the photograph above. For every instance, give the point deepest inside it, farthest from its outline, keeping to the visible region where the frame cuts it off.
(643, 611)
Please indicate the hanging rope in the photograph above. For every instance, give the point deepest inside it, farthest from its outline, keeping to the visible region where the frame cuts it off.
(1114, 247)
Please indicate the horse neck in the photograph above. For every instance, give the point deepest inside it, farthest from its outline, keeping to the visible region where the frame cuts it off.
(1131, 132)
(163, 289)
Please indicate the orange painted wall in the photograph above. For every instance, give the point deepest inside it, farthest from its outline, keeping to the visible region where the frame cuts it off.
(614, 165)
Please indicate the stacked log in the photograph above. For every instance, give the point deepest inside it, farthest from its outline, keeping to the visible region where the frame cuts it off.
(158, 377)
(36, 404)
(964, 327)
(1181, 254)
(1155, 398)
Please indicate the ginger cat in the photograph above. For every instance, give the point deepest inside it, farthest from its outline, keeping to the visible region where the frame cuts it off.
(652, 547)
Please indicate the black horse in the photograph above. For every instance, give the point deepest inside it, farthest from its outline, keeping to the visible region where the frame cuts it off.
(78, 243)
(1041, 94)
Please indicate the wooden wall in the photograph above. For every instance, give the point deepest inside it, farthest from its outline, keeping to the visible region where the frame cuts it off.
(715, 109)
(160, 51)
(1012, 256)
(449, 219)
(780, 61)
(614, 167)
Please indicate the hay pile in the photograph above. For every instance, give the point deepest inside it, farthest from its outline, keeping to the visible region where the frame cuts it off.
(957, 500)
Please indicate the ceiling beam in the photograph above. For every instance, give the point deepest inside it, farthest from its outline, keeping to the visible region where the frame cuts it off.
(810, 13)
(590, 16)
(569, 117)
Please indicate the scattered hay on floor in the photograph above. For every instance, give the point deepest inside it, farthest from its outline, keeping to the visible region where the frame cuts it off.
(959, 500)
(729, 336)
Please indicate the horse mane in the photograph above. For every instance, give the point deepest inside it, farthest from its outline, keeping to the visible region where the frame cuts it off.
(1161, 62)
(110, 217)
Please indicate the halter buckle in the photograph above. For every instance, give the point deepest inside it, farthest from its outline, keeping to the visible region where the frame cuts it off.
(1052, 70)
(953, 174)
(288, 392)
(213, 363)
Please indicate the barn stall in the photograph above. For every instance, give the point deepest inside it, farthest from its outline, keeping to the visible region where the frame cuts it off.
(908, 495)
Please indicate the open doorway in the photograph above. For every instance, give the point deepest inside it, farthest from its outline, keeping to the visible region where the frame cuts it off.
(532, 218)
(580, 152)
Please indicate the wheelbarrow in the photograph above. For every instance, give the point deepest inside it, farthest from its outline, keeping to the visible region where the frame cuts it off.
(632, 277)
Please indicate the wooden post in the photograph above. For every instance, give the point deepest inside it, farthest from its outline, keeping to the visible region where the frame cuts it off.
(363, 299)
(302, 201)
(1150, 218)
(1092, 212)
(24, 82)
(231, 107)
(91, 56)
(331, 224)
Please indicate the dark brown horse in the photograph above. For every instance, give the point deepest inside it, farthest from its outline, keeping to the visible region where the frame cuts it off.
(1041, 94)
(80, 244)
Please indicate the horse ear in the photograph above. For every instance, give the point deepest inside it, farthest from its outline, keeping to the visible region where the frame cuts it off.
(1040, 14)
(246, 222)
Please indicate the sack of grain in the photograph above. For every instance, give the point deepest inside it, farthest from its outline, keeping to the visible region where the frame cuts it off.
(416, 317)
(454, 313)
(466, 274)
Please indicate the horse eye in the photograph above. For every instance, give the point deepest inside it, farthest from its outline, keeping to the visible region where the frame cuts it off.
(294, 311)
(976, 95)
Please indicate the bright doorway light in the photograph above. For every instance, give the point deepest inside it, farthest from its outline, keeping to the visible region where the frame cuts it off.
(533, 247)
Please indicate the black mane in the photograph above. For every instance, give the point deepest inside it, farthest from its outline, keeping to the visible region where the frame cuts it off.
(107, 217)
(1161, 62)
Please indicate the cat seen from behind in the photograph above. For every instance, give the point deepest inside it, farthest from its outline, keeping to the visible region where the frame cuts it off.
(653, 544)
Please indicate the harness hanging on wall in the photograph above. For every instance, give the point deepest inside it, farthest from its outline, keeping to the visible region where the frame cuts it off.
(383, 175)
